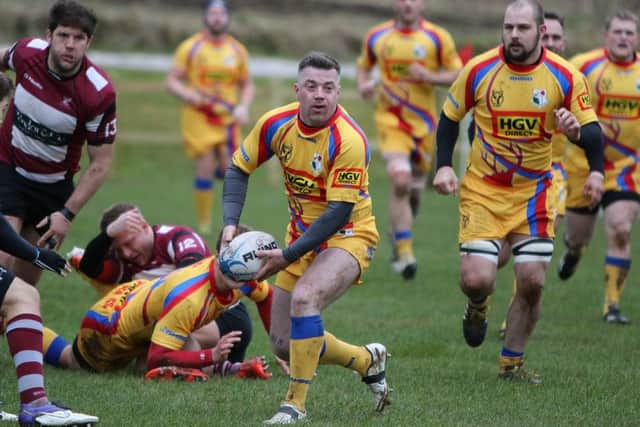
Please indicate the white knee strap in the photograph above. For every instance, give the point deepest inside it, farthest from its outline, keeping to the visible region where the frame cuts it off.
(488, 249)
(534, 249)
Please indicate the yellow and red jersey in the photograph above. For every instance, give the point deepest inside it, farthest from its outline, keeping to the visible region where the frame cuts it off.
(404, 102)
(320, 165)
(514, 113)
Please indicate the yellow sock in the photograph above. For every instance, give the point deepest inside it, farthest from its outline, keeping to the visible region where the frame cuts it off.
(403, 244)
(203, 193)
(307, 336)
(615, 274)
(336, 352)
(52, 346)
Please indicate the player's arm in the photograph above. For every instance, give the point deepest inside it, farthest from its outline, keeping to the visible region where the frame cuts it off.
(366, 83)
(97, 264)
(234, 193)
(247, 92)
(159, 355)
(439, 77)
(262, 294)
(446, 181)
(13, 244)
(177, 85)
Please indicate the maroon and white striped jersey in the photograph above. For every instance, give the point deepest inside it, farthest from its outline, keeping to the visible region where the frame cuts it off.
(51, 117)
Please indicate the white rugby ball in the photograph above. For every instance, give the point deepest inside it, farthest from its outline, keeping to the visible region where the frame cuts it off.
(238, 261)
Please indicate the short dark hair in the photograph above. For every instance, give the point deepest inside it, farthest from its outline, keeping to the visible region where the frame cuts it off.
(554, 17)
(623, 15)
(538, 12)
(320, 60)
(68, 13)
(112, 213)
(6, 86)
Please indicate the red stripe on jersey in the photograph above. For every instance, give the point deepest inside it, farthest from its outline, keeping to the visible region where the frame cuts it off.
(184, 295)
(567, 75)
(360, 132)
(469, 92)
(264, 146)
(334, 151)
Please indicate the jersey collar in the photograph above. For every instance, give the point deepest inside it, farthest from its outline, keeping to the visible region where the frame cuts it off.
(621, 63)
(309, 130)
(523, 68)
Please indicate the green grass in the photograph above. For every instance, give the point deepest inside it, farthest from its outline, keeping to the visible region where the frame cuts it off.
(590, 368)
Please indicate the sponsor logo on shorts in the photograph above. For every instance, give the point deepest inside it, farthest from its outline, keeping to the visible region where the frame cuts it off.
(300, 184)
(523, 125)
(626, 108)
(348, 178)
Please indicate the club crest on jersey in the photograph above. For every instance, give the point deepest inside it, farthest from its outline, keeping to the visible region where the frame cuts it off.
(347, 178)
(419, 51)
(285, 152)
(316, 163)
(229, 61)
(539, 98)
(497, 97)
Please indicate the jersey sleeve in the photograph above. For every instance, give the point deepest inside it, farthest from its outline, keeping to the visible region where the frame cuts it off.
(367, 59)
(580, 101)
(256, 148)
(181, 55)
(458, 101)
(101, 127)
(450, 59)
(174, 326)
(188, 248)
(348, 173)
(243, 64)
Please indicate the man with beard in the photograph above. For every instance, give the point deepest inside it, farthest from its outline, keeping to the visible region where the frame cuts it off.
(554, 40)
(613, 73)
(413, 55)
(61, 100)
(520, 93)
(210, 74)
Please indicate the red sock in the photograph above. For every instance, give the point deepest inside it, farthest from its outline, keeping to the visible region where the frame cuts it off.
(24, 335)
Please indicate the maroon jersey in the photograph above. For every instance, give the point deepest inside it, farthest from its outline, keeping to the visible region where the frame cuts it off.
(51, 117)
(173, 247)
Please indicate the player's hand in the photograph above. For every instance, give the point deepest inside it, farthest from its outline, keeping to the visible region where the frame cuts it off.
(567, 124)
(594, 188)
(221, 351)
(129, 223)
(53, 228)
(273, 261)
(49, 260)
(283, 365)
(445, 181)
(368, 88)
(419, 73)
(241, 114)
(228, 233)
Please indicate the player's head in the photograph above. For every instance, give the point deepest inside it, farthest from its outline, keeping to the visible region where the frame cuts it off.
(554, 39)
(408, 12)
(71, 27)
(522, 29)
(621, 35)
(6, 89)
(216, 17)
(240, 228)
(317, 88)
(133, 237)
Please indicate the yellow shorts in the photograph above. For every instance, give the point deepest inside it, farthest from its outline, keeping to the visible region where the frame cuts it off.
(559, 188)
(419, 150)
(360, 239)
(489, 212)
(200, 135)
(99, 346)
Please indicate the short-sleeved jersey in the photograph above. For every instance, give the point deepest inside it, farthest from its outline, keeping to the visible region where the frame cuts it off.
(513, 111)
(165, 311)
(215, 68)
(320, 165)
(173, 246)
(404, 102)
(51, 117)
(558, 146)
(615, 89)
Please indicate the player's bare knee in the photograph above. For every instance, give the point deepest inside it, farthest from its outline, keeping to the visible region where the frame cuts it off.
(620, 233)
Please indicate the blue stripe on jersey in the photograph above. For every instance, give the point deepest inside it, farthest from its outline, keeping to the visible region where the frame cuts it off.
(623, 176)
(510, 165)
(271, 131)
(424, 115)
(353, 123)
(178, 290)
(374, 37)
(482, 71)
(246, 289)
(102, 319)
(306, 327)
(332, 144)
(618, 262)
(562, 79)
(589, 68)
(434, 38)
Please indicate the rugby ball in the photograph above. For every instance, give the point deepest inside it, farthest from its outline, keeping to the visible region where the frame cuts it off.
(238, 261)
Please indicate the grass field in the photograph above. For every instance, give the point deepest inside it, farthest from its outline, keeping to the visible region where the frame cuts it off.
(591, 376)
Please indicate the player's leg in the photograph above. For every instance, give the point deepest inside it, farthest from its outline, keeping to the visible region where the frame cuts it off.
(619, 217)
(24, 269)
(579, 226)
(531, 256)
(203, 190)
(20, 304)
